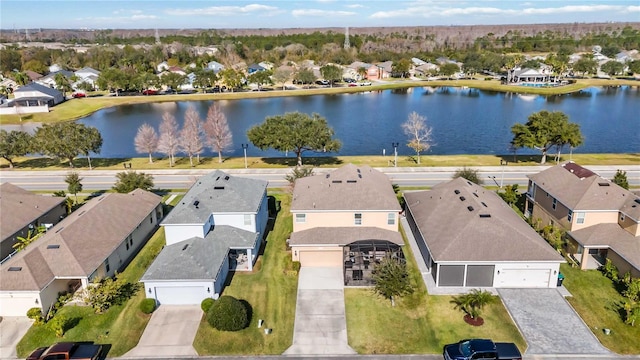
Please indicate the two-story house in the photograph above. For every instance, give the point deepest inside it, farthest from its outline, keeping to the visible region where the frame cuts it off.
(601, 218)
(217, 227)
(346, 218)
(93, 242)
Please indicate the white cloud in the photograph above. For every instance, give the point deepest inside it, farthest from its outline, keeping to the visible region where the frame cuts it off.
(325, 13)
(251, 9)
(117, 19)
(126, 11)
(355, 6)
(632, 9)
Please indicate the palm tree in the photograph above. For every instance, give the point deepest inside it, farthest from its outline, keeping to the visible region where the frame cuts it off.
(23, 242)
(473, 302)
(21, 78)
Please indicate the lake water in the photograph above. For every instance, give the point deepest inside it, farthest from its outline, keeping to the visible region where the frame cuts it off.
(464, 121)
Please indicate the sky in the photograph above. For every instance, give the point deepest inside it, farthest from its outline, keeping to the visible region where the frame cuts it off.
(215, 14)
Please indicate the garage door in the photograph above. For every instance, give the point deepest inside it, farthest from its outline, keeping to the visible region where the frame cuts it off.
(321, 258)
(16, 304)
(180, 295)
(520, 278)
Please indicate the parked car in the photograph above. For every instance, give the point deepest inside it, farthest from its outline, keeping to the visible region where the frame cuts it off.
(353, 84)
(481, 349)
(150, 92)
(67, 351)
(322, 82)
(366, 83)
(78, 95)
(349, 80)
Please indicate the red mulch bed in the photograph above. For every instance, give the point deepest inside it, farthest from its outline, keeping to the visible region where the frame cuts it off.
(473, 321)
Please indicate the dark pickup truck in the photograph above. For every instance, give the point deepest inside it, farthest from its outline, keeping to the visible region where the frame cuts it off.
(481, 349)
(67, 351)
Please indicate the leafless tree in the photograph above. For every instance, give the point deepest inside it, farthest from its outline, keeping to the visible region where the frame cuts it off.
(168, 142)
(418, 132)
(216, 128)
(190, 135)
(146, 140)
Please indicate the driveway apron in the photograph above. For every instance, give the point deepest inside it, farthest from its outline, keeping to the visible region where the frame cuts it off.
(549, 324)
(320, 325)
(169, 333)
(12, 329)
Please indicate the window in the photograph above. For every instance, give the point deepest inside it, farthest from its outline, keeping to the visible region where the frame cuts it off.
(301, 218)
(358, 219)
(247, 219)
(151, 218)
(391, 219)
(554, 203)
(106, 265)
(570, 216)
(580, 218)
(127, 246)
(130, 240)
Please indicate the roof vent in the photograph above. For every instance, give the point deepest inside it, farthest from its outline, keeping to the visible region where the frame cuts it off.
(358, 171)
(218, 178)
(469, 182)
(603, 183)
(196, 203)
(337, 181)
(57, 231)
(470, 208)
(485, 215)
(360, 176)
(462, 198)
(53, 246)
(15, 268)
(218, 188)
(226, 178)
(352, 181)
(456, 191)
(483, 204)
(185, 247)
(326, 176)
(475, 194)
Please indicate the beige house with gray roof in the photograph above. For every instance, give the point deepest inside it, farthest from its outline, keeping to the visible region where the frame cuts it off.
(601, 217)
(346, 218)
(469, 237)
(95, 241)
(21, 211)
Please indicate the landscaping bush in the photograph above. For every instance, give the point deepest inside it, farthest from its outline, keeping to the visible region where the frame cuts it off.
(228, 314)
(60, 324)
(147, 306)
(35, 314)
(206, 304)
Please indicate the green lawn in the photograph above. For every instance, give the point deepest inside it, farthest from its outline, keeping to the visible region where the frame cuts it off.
(596, 300)
(121, 326)
(419, 323)
(271, 294)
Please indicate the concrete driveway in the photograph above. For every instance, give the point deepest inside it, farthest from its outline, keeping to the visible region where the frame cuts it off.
(169, 333)
(320, 326)
(549, 324)
(12, 329)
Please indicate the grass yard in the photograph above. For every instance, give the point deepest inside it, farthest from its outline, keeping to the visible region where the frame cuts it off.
(420, 323)
(271, 294)
(121, 326)
(596, 300)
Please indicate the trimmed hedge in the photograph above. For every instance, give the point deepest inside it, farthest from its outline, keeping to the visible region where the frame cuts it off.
(206, 304)
(228, 314)
(148, 305)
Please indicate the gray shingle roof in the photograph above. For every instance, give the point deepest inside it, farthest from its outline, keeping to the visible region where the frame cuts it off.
(19, 208)
(40, 88)
(453, 220)
(215, 193)
(612, 236)
(197, 258)
(350, 187)
(85, 238)
(580, 189)
(343, 236)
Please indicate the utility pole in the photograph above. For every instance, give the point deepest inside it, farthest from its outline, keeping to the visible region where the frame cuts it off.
(503, 164)
(395, 153)
(244, 148)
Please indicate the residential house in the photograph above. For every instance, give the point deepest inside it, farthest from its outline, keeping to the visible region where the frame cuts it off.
(53, 68)
(469, 237)
(601, 217)
(87, 75)
(527, 76)
(9, 84)
(215, 66)
(217, 227)
(347, 218)
(22, 211)
(254, 68)
(32, 98)
(266, 65)
(33, 75)
(93, 242)
(163, 66)
(50, 79)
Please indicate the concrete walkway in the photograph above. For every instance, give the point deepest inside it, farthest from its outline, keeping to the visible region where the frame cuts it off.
(12, 329)
(169, 333)
(320, 325)
(549, 324)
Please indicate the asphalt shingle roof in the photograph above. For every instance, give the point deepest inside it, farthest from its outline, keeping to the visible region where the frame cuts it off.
(611, 236)
(215, 193)
(19, 208)
(40, 88)
(343, 235)
(462, 221)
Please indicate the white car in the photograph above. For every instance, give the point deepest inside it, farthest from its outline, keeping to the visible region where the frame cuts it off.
(366, 83)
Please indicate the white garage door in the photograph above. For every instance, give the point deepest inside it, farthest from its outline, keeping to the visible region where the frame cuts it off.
(321, 258)
(520, 278)
(180, 295)
(16, 304)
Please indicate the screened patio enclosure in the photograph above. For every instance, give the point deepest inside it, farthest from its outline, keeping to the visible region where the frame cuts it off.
(360, 258)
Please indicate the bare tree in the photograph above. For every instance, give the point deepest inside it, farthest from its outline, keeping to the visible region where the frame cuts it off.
(419, 133)
(190, 135)
(146, 140)
(216, 128)
(168, 142)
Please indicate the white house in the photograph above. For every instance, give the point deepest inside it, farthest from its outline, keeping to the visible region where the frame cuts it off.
(217, 227)
(162, 67)
(215, 66)
(32, 98)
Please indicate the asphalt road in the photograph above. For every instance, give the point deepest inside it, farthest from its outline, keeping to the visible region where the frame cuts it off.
(396, 357)
(405, 177)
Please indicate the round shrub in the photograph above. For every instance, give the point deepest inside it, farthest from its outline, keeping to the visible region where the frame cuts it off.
(206, 304)
(228, 314)
(36, 314)
(148, 305)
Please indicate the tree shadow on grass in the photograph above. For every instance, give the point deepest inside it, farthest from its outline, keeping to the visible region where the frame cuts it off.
(313, 161)
(80, 162)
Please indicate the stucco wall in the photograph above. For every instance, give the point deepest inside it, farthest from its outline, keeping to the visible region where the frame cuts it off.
(622, 265)
(345, 219)
(595, 218)
(629, 225)
(559, 214)
(235, 220)
(177, 233)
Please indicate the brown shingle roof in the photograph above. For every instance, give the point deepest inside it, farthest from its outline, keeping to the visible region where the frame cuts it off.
(350, 187)
(453, 219)
(84, 239)
(611, 236)
(343, 236)
(19, 208)
(580, 189)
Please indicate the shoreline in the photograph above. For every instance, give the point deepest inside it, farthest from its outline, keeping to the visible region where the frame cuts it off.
(74, 109)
